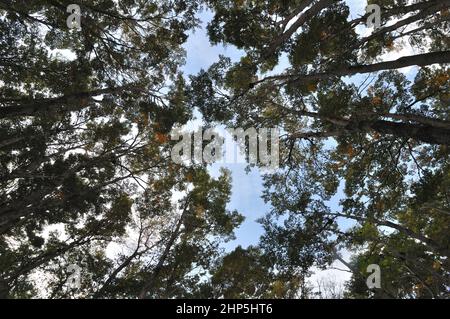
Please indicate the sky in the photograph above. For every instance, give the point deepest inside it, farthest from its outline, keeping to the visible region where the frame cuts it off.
(247, 187)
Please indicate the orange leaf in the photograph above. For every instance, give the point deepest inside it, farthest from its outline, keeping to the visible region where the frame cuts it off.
(442, 79)
(312, 87)
(189, 177)
(377, 100)
(161, 138)
(350, 150)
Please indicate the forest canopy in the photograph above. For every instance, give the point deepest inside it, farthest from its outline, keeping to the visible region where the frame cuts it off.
(87, 179)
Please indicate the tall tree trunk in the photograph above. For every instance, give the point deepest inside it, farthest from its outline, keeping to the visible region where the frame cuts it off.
(70, 102)
(314, 10)
(406, 231)
(157, 269)
(426, 129)
(412, 60)
(424, 133)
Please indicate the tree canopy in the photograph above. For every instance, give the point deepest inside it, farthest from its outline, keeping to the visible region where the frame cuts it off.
(86, 176)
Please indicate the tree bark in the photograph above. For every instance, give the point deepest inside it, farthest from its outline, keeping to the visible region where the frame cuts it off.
(314, 10)
(77, 101)
(424, 133)
(10, 141)
(425, 240)
(424, 13)
(426, 129)
(440, 57)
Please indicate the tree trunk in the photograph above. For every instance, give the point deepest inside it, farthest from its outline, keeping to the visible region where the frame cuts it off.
(70, 102)
(426, 129)
(151, 281)
(441, 57)
(424, 133)
(411, 234)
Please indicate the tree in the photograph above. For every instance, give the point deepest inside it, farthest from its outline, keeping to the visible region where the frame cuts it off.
(243, 273)
(251, 274)
(86, 176)
(370, 140)
(321, 38)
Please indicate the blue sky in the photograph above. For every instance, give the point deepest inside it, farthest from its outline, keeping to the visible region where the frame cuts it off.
(247, 187)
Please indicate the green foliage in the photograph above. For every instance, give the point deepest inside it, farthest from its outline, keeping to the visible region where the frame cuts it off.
(85, 171)
(377, 144)
(86, 176)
